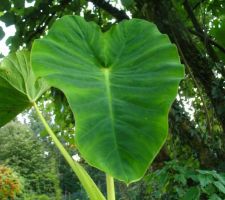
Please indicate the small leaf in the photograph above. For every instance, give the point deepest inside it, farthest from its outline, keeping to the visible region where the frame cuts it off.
(209, 189)
(2, 33)
(214, 197)
(44, 133)
(220, 178)
(204, 179)
(192, 193)
(180, 178)
(220, 186)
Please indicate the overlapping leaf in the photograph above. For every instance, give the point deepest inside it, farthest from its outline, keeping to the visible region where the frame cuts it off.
(120, 86)
(18, 86)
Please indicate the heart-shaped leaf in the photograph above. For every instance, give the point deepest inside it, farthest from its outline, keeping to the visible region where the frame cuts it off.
(18, 86)
(120, 86)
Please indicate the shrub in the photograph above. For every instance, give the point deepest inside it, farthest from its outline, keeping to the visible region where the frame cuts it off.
(38, 197)
(10, 183)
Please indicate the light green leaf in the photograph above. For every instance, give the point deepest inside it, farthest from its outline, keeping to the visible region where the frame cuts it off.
(213, 173)
(204, 179)
(192, 193)
(120, 86)
(18, 86)
(220, 178)
(219, 186)
(214, 197)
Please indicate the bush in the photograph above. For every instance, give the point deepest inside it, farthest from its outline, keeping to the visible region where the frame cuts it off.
(177, 180)
(37, 197)
(10, 183)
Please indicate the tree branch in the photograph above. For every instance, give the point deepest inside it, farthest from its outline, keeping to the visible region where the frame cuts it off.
(188, 8)
(118, 14)
(209, 39)
(169, 22)
(199, 29)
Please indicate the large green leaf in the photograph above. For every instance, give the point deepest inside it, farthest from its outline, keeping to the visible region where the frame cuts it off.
(18, 86)
(120, 86)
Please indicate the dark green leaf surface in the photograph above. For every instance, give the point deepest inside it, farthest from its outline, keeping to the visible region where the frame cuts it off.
(5, 5)
(120, 86)
(220, 186)
(2, 33)
(18, 87)
(218, 33)
(8, 18)
(192, 194)
(18, 3)
(127, 3)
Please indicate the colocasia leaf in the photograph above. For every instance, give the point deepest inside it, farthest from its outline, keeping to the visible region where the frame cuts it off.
(120, 86)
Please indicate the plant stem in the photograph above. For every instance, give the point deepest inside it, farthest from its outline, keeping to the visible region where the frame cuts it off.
(110, 187)
(87, 182)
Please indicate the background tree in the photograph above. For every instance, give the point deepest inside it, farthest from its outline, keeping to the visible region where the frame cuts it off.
(25, 153)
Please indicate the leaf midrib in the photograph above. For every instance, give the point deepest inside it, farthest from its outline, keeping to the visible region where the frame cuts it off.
(106, 72)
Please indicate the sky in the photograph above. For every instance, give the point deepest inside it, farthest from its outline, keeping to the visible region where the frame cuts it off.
(9, 31)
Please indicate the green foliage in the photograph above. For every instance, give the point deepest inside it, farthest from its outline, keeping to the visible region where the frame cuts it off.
(24, 152)
(127, 3)
(200, 133)
(5, 5)
(18, 4)
(182, 180)
(2, 33)
(124, 111)
(217, 31)
(37, 197)
(10, 183)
